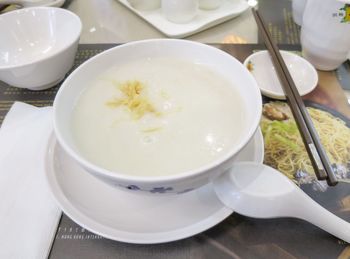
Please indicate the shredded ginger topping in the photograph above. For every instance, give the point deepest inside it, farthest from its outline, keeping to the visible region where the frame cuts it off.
(134, 99)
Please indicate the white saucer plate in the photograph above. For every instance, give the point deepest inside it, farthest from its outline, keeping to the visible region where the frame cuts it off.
(303, 73)
(127, 217)
(203, 20)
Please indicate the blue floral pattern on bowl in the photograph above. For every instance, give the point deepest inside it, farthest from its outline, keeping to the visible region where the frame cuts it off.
(156, 190)
(153, 190)
(161, 189)
(133, 188)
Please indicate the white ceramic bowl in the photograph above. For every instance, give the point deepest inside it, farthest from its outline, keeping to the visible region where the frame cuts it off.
(179, 11)
(218, 60)
(37, 46)
(209, 4)
(303, 73)
(143, 5)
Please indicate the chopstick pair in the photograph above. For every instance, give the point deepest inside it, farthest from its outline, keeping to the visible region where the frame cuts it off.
(318, 156)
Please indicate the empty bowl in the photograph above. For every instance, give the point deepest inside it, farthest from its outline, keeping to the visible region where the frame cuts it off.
(303, 73)
(37, 46)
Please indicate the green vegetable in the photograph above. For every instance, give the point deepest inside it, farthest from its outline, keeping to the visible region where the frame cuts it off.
(282, 131)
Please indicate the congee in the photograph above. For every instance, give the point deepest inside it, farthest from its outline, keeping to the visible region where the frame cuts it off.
(157, 117)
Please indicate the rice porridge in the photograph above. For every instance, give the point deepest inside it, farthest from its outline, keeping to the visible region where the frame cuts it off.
(157, 117)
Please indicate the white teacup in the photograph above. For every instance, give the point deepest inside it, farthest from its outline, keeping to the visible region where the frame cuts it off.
(145, 5)
(179, 11)
(325, 33)
(209, 4)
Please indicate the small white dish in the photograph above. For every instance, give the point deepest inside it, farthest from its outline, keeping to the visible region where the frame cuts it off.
(124, 216)
(303, 73)
(37, 46)
(203, 20)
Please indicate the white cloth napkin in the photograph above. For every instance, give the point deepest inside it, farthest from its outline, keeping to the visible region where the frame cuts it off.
(28, 213)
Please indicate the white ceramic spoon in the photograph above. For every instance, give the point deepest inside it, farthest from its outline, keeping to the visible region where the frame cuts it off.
(259, 191)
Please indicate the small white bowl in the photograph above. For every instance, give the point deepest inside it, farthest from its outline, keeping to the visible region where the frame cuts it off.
(303, 73)
(179, 11)
(145, 5)
(209, 4)
(199, 53)
(37, 46)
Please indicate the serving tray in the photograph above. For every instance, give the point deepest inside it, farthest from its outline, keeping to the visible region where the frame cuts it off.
(203, 20)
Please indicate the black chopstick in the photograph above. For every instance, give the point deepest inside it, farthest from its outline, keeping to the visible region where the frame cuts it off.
(318, 157)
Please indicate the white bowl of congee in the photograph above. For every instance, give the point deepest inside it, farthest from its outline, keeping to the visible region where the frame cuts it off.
(160, 116)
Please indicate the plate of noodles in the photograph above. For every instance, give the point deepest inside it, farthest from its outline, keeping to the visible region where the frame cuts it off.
(284, 148)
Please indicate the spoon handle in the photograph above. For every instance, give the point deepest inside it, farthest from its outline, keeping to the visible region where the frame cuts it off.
(314, 213)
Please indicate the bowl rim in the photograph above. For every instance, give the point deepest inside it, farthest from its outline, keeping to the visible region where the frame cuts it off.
(273, 94)
(123, 177)
(55, 53)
